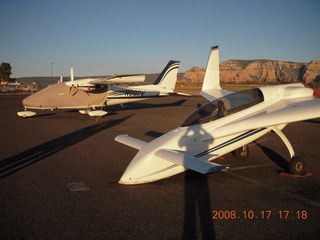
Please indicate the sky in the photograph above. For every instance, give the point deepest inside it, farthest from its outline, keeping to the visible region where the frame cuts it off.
(103, 37)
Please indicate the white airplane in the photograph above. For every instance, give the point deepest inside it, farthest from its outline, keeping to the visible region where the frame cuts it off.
(91, 95)
(227, 123)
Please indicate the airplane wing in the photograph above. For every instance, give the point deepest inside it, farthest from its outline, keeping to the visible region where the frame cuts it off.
(119, 79)
(281, 112)
(130, 141)
(189, 162)
(173, 156)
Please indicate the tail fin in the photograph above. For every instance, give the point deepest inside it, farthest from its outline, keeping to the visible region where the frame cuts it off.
(166, 81)
(212, 78)
(211, 88)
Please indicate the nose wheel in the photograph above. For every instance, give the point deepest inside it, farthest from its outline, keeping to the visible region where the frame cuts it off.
(241, 153)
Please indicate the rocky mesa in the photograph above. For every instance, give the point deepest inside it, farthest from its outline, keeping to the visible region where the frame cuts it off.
(242, 71)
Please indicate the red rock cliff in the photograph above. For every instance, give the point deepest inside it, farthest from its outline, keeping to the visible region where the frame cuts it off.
(236, 71)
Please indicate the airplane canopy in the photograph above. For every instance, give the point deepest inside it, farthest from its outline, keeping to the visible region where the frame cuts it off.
(224, 106)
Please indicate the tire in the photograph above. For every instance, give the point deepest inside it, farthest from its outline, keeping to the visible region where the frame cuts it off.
(297, 166)
(241, 153)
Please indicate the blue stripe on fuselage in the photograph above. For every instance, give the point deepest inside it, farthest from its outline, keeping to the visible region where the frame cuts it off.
(229, 142)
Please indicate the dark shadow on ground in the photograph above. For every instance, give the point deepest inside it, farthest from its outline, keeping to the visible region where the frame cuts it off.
(316, 121)
(197, 203)
(275, 157)
(139, 105)
(196, 193)
(24, 159)
(153, 134)
(110, 109)
(43, 115)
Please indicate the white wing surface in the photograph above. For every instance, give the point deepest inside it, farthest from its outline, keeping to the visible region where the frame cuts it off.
(130, 141)
(290, 111)
(189, 162)
(120, 79)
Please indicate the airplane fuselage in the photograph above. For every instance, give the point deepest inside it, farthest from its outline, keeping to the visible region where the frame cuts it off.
(62, 96)
(209, 132)
(120, 95)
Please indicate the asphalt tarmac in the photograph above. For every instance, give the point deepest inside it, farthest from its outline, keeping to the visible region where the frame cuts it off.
(59, 176)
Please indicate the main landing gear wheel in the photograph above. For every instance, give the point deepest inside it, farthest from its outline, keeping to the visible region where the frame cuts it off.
(241, 153)
(297, 166)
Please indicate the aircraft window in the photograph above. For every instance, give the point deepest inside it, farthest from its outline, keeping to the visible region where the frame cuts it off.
(224, 106)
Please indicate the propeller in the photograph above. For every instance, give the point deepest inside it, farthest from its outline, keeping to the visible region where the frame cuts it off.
(61, 79)
(73, 83)
(75, 91)
(71, 74)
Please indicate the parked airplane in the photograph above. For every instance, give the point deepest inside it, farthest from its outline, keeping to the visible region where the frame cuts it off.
(229, 122)
(88, 95)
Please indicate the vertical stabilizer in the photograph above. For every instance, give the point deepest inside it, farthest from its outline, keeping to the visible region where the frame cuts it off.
(166, 81)
(61, 78)
(212, 77)
(211, 88)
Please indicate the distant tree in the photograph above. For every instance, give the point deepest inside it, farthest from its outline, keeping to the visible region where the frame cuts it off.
(5, 71)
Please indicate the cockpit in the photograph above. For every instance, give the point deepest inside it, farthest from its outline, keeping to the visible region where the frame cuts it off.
(225, 106)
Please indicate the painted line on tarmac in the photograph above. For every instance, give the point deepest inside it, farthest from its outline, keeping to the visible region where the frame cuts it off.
(77, 186)
(247, 167)
(284, 193)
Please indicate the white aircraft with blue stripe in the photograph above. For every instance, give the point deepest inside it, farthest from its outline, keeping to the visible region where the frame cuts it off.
(90, 96)
(227, 123)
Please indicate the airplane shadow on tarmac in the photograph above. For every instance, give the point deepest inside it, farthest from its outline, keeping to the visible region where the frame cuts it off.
(197, 198)
(275, 157)
(139, 105)
(316, 121)
(24, 159)
(112, 110)
(197, 202)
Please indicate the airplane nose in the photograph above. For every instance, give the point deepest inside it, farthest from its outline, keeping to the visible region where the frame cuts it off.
(140, 170)
(125, 181)
(60, 95)
(41, 99)
(29, 102)
(51, 97)
(145, 167)
(132, 173)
